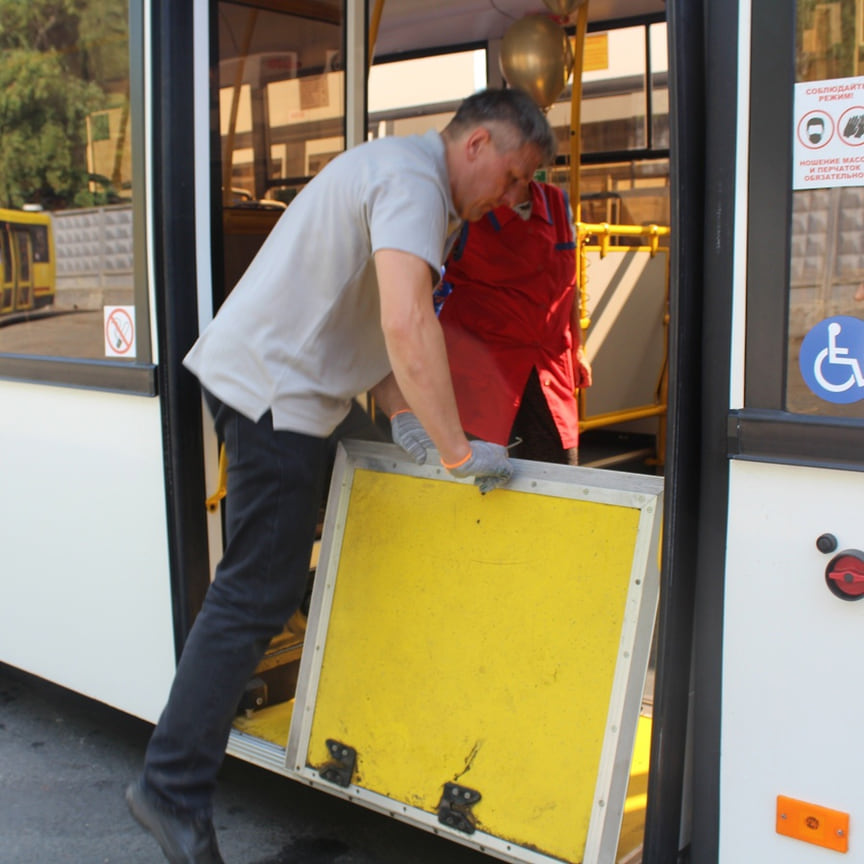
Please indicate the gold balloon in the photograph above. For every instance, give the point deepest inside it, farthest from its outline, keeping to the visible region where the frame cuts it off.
(563, 7)
(536, 58)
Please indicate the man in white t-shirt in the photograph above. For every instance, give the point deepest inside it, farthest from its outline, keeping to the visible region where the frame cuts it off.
(338, 301)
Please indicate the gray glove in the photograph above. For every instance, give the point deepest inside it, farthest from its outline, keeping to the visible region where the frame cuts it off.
(488, 465)
(410, 436)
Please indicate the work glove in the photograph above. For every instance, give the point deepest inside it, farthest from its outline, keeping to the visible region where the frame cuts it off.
(410, 435)
(487, 463)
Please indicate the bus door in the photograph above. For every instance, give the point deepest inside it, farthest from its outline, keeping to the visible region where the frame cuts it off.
(266, 156)
(282, 114)
(7, 271)
(22, 246)
(779, 630)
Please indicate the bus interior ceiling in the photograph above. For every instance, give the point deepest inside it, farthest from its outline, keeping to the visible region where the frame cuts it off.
(408, 26)
(417, 25)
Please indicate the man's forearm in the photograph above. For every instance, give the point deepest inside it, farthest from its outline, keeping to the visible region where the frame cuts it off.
(422, 378)
(418, 355)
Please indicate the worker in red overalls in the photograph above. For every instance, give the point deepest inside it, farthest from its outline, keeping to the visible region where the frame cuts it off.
(511, 325)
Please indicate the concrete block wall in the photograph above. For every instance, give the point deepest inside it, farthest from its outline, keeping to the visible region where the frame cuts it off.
(94, 248)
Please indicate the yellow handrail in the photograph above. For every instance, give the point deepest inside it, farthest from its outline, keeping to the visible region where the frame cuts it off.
(212, 502)
(604, 231)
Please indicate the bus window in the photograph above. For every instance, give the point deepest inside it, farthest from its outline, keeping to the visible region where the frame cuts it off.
(659, 69)
(25, 254)
(7, 286)
(39, 239)
(23, 259)
(624, 125)
(613, 92)
(410, 97)
(825, 325)
(74, 232)
(281, 118)
(626, 193)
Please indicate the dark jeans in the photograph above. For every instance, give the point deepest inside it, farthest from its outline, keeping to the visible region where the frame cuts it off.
(535, 425)
(271, 509)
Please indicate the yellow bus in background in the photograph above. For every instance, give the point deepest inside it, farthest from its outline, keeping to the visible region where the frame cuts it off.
(27, 261)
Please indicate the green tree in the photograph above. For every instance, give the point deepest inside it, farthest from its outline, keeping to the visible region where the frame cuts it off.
(43, 131)
(60, 61)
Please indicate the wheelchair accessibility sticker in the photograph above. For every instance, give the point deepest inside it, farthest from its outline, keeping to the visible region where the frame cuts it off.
(832, 359)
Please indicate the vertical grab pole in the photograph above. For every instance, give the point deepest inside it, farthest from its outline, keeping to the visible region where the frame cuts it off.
(228, 155)
(575, 179)
(374, 24)
(576, 109)
(356, 72)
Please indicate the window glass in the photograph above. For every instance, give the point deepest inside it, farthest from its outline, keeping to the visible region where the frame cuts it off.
(659, 86)
(626, 193)
(281, 117)
(614, 103)
(412, 96)
(25, 255)
(6, 261)
(409, 97)
(613, 111)
(66, 181)
(825, 373)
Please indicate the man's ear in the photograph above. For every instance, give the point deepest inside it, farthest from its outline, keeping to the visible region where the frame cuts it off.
(476, 141)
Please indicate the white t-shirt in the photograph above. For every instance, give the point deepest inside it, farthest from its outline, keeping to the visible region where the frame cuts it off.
(301, 334)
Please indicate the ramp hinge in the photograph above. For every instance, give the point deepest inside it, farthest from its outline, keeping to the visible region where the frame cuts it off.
(454, 809)
(340, 768)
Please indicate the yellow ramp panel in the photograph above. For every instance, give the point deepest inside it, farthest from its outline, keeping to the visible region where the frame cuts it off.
(474, 639)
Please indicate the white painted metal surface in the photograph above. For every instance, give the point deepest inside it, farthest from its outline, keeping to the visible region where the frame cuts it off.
(85, 598)
(792, 693)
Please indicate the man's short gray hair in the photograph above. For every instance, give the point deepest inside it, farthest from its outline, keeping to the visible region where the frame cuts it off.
(511, 107)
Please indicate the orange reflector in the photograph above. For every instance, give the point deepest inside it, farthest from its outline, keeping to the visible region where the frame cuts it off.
(813, 824)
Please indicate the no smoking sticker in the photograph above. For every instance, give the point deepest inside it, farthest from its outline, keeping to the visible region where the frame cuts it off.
(119, 331)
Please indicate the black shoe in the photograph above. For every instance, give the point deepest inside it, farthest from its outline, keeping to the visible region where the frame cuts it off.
(183, 840)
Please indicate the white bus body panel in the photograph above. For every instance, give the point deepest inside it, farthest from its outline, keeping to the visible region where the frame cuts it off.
(792, 693)
(86, 597)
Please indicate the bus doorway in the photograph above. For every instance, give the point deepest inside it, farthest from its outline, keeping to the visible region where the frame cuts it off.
(286, 108)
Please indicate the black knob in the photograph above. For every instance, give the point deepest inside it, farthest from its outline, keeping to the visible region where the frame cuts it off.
(826, 543)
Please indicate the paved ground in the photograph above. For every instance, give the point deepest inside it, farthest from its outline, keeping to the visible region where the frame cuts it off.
(65, 761)
(55, 332)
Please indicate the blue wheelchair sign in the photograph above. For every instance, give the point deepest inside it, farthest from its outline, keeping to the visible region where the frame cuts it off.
(832, 357)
